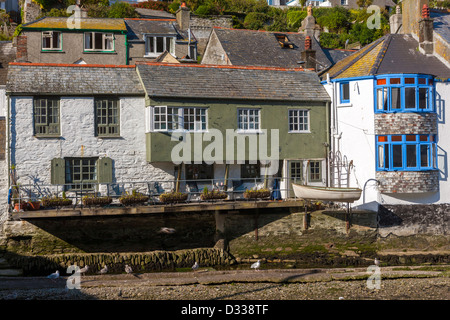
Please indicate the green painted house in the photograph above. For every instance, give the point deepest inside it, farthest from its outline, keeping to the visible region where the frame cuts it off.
(236, 125)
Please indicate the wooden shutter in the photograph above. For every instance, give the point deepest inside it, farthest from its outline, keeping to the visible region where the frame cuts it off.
(104, 170)
(58, 171)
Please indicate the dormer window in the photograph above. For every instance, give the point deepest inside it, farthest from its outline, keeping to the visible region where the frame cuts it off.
(98, 41)
(156, 45)
(51, 40)
(284, 42)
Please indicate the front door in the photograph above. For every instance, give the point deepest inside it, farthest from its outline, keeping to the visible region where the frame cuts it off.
(295, 175)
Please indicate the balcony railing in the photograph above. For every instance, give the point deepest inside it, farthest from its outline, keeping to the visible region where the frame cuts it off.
(279, 188)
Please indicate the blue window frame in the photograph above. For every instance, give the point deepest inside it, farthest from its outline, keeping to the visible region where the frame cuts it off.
(404, 93)
(406, 152)
(344, 92)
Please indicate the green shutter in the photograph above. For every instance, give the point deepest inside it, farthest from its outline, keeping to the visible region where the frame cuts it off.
(58, 171)
(104, 170)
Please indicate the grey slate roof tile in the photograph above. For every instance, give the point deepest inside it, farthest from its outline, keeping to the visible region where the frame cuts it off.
(76, 80)
(220, 82)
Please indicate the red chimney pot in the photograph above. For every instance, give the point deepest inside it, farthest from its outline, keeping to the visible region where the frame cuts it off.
(425, 11)
(308, 43)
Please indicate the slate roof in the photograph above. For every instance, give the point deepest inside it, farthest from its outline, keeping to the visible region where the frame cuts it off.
(63, 79)
(261, 48)
(441, 24)
(393, 53)
(136, 28)
(58, 23)
(230, 82)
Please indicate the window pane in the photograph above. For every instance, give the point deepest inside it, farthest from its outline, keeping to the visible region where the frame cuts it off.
(395, 98)
(397, 156)
(88, 40)
(168, 42)
(395, 81)
(410, 98)
(56, 37)
(345, 91)
(382, 98)
(424, 155)
(422, 81)
(160, 44)
(396, 138)
(381, 156)
(411, 156)
(423, 98)
(98, 41)
(410, 137)
(381, 82)
(409, 80)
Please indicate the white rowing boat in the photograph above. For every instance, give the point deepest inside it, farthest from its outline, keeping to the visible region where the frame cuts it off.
(326, 193)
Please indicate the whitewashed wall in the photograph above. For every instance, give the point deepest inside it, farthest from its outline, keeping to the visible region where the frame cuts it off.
(352, 130)
(32, 156)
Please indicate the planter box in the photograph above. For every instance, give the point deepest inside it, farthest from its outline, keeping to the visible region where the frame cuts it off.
(34, 205)
(56, 202)
(257, 194)
(135, 198)
(96, 201)
(173, 197)
(213, 195)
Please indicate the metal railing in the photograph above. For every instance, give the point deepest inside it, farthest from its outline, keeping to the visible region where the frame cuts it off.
(233, 187)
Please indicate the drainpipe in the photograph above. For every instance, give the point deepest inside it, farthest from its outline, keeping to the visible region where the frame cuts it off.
(126, 49)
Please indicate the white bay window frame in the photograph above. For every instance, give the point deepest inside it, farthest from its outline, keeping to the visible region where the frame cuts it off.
(152, 45)
(167, 119)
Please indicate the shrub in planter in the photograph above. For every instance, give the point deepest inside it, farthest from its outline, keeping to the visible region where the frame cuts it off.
(173, 197)
(56, 201)
(257, 194)
(133, 198)
(34, 205)
(215, 194)
(93, 200)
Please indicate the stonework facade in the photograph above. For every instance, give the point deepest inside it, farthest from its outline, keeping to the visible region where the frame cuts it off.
(408, 181)
(406, 123)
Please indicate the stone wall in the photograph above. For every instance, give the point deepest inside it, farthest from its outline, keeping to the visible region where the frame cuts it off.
(406, 123)
(201, 28)
(408, 181)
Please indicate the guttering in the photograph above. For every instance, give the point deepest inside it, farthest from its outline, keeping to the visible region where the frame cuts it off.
(349, 79)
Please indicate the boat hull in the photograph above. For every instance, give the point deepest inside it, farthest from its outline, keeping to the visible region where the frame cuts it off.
(327, 194)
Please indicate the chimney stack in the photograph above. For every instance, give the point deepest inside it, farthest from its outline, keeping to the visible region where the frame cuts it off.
(395, 21)
(426, 31)
(22, 50)
(183, 16)
(309, 55)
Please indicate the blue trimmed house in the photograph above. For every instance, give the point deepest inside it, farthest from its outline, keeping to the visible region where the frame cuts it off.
(389, 127)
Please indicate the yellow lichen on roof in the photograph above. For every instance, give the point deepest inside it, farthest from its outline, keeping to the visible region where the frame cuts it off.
(347, 63)
(82, 23)
(362, 66)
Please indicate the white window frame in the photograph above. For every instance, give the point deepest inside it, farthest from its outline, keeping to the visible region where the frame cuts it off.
(50, 34)
(155, 53)
(105, 36)
(296, 120)
(163, 124)
(241, 121)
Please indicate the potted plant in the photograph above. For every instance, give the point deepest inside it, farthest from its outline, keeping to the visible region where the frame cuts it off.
(133, 198)
(34, 204)
(173, 197)
(214, 194)
(256, 194)
(93, 200)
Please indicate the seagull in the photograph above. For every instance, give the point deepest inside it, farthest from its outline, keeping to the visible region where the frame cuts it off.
(341, 298)
(128, 269)
(54, 275)
(84, 270)
(377, 262)
(195, 266)
(256, 265)
(104, 270)
(167, 230)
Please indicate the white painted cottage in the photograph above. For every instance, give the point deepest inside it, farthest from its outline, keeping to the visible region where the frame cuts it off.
(389, 124)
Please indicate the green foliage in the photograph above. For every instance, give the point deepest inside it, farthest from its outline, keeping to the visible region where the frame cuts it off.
(336, 19)
(122, 10)
(255, 20)
(54, 12)
(294, 18)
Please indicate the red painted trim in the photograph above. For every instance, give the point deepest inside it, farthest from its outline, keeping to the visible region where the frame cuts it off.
(70, 65)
